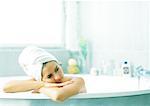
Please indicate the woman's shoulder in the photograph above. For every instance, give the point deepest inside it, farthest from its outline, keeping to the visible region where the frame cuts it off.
(67, 78)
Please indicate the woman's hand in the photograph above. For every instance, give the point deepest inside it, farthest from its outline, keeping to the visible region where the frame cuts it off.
(53, 85)
(58, 84)
(37, 89)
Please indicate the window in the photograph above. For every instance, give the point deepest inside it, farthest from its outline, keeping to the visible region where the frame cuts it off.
(31, 22)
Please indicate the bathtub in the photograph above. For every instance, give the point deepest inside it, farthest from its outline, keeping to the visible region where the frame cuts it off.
(101, 91)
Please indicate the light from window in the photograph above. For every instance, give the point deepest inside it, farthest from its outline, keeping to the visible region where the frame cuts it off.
(31, 22)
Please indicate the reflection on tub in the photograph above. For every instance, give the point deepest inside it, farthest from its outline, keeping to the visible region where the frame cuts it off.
(101, 91)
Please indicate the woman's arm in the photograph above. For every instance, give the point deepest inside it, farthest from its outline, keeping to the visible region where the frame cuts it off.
(62, 93)
(22, 85)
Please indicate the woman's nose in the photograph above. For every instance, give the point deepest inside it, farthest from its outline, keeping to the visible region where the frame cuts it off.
(58, 78)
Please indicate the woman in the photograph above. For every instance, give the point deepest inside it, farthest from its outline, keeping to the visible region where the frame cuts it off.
(46, 74)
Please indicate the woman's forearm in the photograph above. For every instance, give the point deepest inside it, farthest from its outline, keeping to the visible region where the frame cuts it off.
(62, 93)
(71, 89)
(53, 93)
(22, 86)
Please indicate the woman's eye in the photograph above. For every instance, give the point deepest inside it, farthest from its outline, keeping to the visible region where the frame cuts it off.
(49, 76)
(56, 69)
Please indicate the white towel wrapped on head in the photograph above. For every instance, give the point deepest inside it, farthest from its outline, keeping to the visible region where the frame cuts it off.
(31, 60)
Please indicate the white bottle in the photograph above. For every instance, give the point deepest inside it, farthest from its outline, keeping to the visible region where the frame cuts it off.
(94, 71)
(126, 69)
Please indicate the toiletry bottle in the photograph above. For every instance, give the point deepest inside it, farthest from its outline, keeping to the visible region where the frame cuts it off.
(126, 70)
(73, 67)
(94, 71)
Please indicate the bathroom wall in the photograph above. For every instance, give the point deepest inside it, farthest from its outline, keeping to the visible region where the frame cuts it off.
(118, 31)
(9, 59)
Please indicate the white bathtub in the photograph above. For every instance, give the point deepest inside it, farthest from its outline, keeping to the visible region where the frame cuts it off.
(101, 90)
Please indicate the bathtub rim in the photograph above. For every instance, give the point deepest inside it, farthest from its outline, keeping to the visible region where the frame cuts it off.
(29, 95)
(78, 96)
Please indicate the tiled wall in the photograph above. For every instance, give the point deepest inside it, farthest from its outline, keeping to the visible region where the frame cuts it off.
(117, 30)
(9, 60)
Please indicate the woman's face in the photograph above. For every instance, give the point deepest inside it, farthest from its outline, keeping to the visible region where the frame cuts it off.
(52, 72)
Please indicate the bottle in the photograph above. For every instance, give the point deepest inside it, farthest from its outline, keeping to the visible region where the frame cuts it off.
(125, 69)
(73, 67)
(94, 71)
